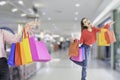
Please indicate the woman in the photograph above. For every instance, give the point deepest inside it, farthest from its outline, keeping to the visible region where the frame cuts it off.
(5, 37)
(8, 37)
(88, 38)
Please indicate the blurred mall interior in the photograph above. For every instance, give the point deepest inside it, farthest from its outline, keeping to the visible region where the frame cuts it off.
(59, 26)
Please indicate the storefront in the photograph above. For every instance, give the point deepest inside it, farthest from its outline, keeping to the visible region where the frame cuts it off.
(105, 53)
(116, 15)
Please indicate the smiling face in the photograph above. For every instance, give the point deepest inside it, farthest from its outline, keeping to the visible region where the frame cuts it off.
(86, 22)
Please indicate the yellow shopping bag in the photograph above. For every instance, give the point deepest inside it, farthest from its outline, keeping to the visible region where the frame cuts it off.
(101, 38)
(23, 57)
(27, 52)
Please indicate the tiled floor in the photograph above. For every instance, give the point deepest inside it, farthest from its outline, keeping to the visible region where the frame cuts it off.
(61, 68)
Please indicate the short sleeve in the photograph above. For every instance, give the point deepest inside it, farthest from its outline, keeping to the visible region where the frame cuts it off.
(82, 37)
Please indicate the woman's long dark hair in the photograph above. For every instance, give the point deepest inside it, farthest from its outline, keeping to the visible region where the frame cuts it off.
(82, 25)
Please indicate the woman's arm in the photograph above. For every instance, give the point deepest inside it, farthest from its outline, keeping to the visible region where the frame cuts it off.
(107, 26)
(82, 37)
(10, 38)
(96, 29)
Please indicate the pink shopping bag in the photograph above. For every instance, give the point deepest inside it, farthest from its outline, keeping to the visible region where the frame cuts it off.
(33, 49)
(43, 54)
(81, 55)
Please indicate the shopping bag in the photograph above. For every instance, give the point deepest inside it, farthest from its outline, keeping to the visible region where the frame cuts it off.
(25, 32)
(27, 52)
(81, 55)
(43, 53)
(83, 52)
(18, 61)
(110, 36)
(11, 58)
(33, 48)
(74, 48)
(23, 57)
(101, 38)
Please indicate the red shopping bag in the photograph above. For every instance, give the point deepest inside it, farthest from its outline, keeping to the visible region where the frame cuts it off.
(110, 36)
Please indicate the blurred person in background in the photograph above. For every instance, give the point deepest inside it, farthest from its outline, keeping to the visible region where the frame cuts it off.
(88, 38)
(48, 45)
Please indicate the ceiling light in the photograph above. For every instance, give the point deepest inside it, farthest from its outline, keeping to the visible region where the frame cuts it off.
(43, 13)
(77, 5)
(49, 18)
(20, 2)
(76, 13)
(38, 5)
(76, 18)
(22, 15)
(2, 3)
(14, 10)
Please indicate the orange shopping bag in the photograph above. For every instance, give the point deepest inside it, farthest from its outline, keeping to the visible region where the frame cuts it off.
(23, 59)
(18, 55)
(74, 49)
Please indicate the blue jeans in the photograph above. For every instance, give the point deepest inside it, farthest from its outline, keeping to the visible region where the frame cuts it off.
(84, 62)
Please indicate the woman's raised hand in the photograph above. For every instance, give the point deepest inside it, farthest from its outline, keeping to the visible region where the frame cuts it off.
(30, 26)
(111, 22)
